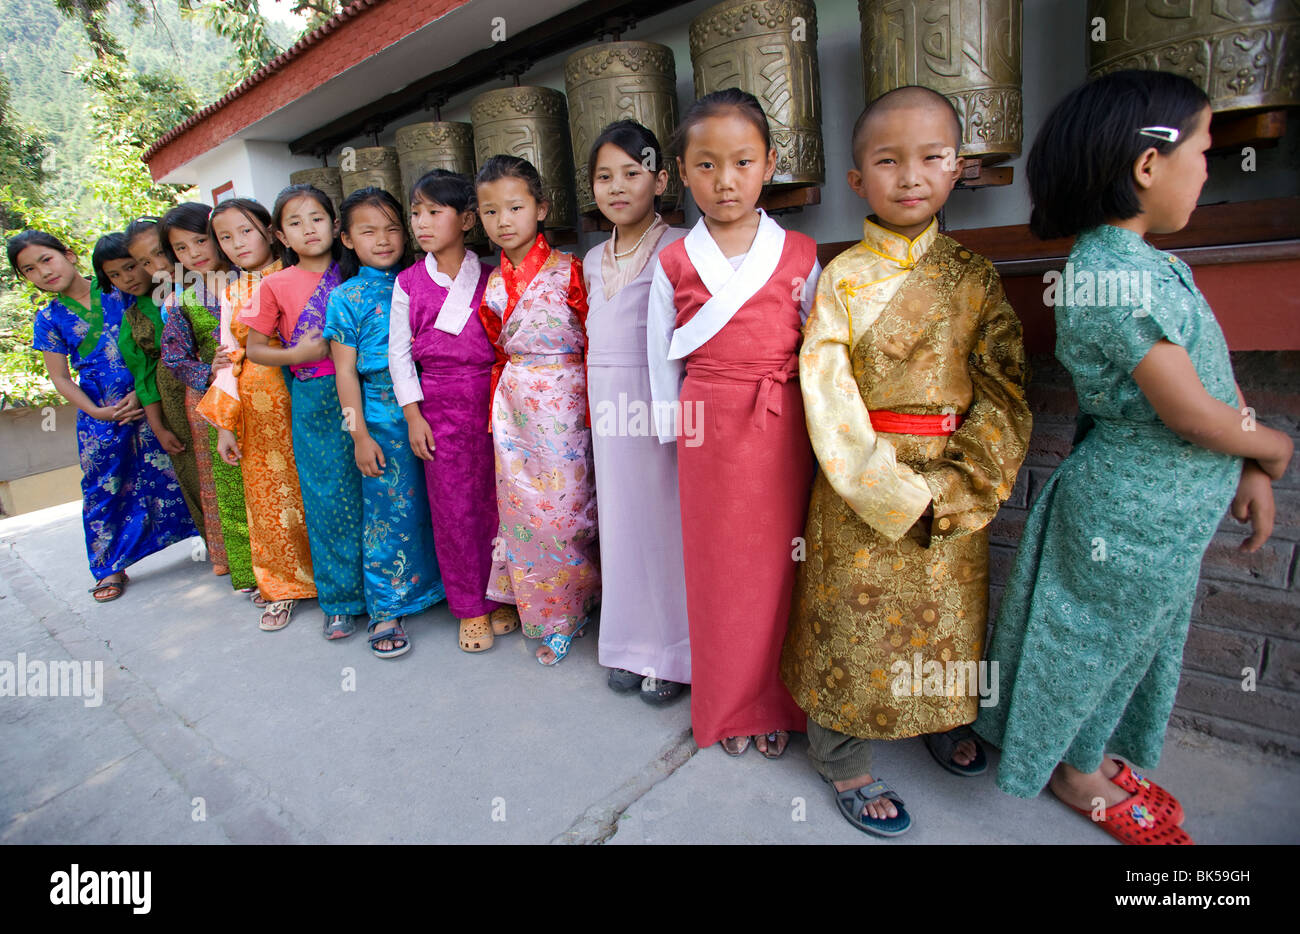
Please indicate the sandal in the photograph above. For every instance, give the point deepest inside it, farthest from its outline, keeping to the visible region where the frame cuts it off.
(735, 745)
(781, 738)
(476, 634)
(942, 745)
(111, 589)
(505, 620)
(1160, 803)
(338, 626)
(269, 622)
(657, 691)
(559, 643)
(852, 802)
(1132, 822)
(396, 635)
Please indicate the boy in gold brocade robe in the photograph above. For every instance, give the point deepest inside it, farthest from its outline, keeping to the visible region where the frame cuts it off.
(913, 374)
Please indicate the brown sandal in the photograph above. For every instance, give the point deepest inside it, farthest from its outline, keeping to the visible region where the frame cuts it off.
(777, 738)
(110, 590)
(475, 634)
(735, 745)
(505, 620)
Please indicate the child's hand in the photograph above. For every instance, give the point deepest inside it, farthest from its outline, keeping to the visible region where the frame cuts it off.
(1276, 466)
(220, 360)
(128, 410)
(421, 437)
(170, 443)
(312, 347)
(228, 447)
(105, 413)
(368, 455)
(1254, 504)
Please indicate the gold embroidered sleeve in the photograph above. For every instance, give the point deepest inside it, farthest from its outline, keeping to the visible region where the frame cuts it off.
(979, 464)
(860, 466)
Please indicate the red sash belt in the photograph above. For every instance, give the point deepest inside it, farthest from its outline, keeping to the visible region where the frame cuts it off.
(896, 423)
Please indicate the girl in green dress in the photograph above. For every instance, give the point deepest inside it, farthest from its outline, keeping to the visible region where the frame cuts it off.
(1088, 642)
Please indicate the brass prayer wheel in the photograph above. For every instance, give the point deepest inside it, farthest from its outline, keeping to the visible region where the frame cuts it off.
(373, 166)
(530, 123)
(441, 145)
(621, 81)
(1245, 54)
(326, 178)
(967, 50)
(768, 48)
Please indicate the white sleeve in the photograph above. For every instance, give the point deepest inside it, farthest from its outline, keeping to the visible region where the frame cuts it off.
(665, 375)
(406, 384)
(809, 291)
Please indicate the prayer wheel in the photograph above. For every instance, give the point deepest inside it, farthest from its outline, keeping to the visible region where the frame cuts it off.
(1245, 54)
(326, 178)
(425, 146)
(373, 166)
(768, 48)
(533, 124)
(621, 81)
(967, 50)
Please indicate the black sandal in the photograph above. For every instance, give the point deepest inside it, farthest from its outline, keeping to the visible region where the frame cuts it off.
(942, 745)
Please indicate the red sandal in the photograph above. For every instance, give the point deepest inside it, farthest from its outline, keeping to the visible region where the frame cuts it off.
(1131, 822)
(1160, 803)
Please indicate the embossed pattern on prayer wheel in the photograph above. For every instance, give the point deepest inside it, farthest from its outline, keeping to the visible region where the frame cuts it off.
(533, 124)
(967, 50)
(1245, 54)
(621, 81)
(326, 178)
(768, 48)
(425, 146)
(373, 166)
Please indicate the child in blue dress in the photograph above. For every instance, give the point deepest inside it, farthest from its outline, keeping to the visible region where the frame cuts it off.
(132, 502)
(1088, 642)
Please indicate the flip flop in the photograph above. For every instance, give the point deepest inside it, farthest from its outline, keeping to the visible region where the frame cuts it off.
(852, 802)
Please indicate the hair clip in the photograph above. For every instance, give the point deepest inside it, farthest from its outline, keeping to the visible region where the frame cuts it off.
(1167, 133)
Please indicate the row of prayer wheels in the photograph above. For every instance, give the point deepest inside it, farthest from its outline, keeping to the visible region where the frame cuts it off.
(968, 50)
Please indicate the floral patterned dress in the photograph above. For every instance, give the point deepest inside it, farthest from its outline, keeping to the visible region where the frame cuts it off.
(1089, 638)
(546, 493)
(132, 504)
(400, 566)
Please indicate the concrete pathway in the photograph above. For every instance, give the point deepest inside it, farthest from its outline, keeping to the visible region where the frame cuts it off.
(210, 731)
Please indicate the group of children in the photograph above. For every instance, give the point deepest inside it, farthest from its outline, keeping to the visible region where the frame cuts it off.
(452, 431)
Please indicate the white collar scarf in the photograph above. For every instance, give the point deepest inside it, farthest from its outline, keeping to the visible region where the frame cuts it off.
(458, 305)
(729, 288)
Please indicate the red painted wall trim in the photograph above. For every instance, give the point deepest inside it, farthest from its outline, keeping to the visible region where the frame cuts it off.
(1257, 304)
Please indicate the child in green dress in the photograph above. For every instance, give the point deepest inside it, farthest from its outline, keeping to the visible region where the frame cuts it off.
(1089, 638)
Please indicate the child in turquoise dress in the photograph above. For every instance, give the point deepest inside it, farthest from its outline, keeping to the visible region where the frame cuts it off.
(397, 551)
(1088, 642)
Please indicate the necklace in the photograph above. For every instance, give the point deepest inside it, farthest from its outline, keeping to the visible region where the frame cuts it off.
(618, 255)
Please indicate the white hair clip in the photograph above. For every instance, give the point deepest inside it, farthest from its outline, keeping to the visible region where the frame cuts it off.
(1167, 133)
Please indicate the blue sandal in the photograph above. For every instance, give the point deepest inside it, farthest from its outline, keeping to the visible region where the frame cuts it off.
(559, 644)
(396, 635)
(852, 802)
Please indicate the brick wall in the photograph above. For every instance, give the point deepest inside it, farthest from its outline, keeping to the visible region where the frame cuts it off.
(1247, 611)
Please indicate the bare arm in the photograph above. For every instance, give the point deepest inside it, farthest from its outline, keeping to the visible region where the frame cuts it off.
(369, 456)
(311, 348)
(1170, 383)
(56, 364)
